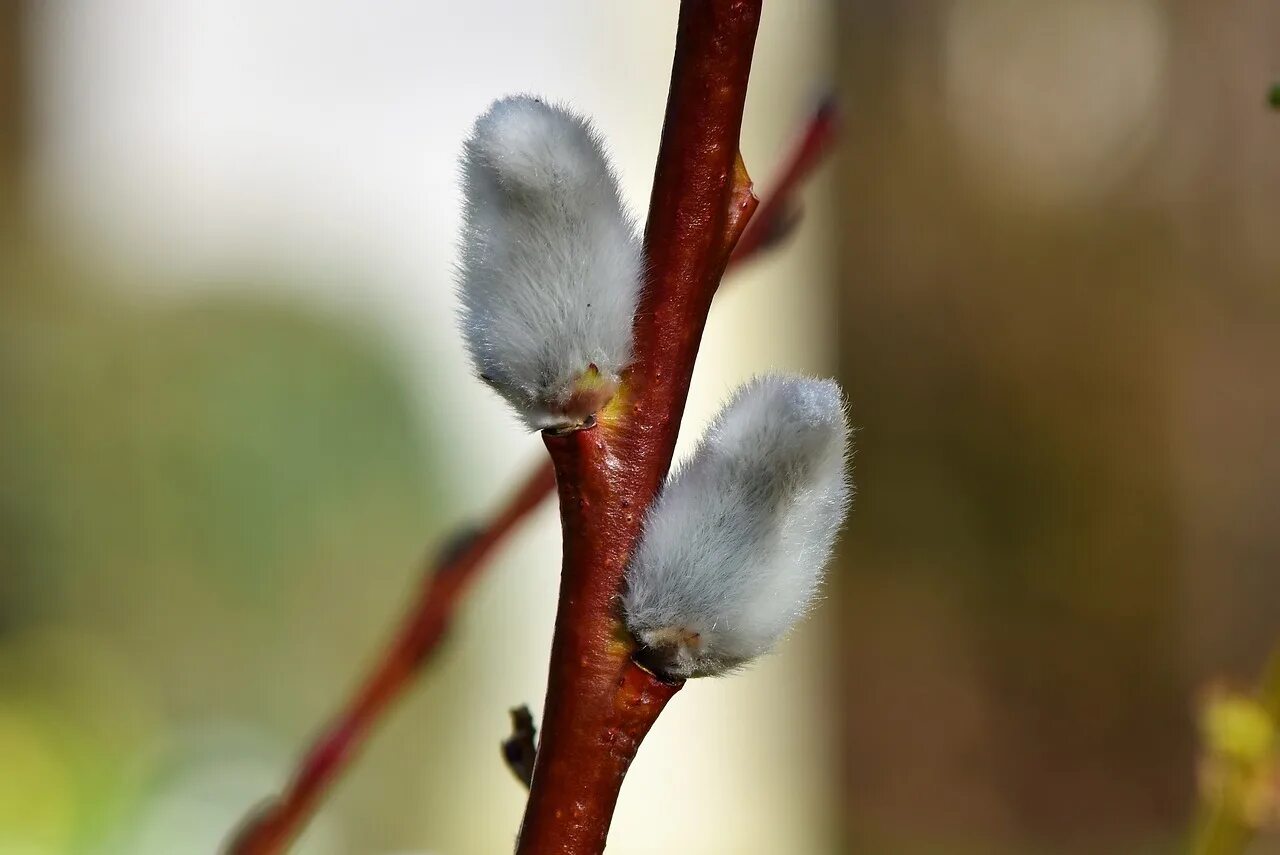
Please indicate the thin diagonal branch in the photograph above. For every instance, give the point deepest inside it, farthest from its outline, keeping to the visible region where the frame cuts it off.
(780, 211)
(274, 824)
(520, 749)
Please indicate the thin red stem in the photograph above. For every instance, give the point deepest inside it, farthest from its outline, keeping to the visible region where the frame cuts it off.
(273, 827)
(599, 703)
(779, 211)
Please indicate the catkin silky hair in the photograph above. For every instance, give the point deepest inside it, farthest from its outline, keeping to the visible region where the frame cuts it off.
(735, 546)
(550, 266)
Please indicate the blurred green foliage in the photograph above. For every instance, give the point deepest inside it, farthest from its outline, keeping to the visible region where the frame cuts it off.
(185, 469)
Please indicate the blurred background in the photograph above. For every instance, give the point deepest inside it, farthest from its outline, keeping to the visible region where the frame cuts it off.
(234, 414)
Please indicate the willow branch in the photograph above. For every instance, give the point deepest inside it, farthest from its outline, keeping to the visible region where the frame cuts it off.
(600, 704)
(271, 827)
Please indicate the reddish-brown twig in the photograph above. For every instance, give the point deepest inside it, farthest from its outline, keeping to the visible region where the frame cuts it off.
(273, 826)
(779, 212)
(600, 704)
(447, 578)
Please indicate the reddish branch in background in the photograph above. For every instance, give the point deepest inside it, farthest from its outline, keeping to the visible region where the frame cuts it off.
(450, 574)
(273, 826)
(779, 213)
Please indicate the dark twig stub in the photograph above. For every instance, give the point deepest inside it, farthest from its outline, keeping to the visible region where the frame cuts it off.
(520, 748)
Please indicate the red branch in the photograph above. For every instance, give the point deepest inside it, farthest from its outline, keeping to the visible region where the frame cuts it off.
(599, 703)
(780, 212)
(448, 577)
(273, 827)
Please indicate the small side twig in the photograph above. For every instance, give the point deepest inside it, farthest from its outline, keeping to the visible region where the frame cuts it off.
(779, 213)
(520, 749)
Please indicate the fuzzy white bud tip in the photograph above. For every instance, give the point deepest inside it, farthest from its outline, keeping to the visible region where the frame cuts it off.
(550, 266)
(735, 546)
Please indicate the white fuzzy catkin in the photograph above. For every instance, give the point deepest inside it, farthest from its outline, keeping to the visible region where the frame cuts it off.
(550, 266)
(735, 545)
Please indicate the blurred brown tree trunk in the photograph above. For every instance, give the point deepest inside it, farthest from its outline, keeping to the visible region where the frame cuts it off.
(13, 102)
(1013, 664)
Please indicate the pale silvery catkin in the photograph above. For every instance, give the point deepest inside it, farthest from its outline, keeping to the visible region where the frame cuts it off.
(550, 267)
(735, 546)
